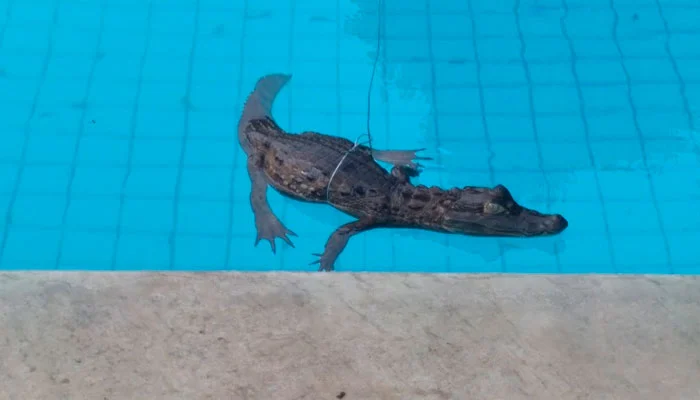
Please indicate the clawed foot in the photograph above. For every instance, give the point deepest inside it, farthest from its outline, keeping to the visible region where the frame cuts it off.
(271, 228)
(325, 263)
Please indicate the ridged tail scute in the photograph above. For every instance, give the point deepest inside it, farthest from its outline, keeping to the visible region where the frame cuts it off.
(260, 100)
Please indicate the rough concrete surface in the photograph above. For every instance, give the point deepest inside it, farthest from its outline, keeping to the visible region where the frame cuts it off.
(312, 336)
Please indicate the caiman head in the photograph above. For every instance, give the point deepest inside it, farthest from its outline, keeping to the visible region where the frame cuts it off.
(494, 212)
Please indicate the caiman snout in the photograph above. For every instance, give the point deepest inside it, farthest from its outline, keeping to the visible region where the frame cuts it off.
(553, 224)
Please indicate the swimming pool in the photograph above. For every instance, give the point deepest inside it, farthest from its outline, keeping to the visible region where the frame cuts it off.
(119, 148)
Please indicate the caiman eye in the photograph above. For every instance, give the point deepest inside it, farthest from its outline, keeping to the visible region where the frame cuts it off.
(494, 208)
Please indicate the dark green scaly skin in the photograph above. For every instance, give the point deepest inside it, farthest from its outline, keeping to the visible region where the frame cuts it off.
(300, 166)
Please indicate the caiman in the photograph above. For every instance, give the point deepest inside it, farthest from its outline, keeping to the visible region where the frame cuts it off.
(300, 166)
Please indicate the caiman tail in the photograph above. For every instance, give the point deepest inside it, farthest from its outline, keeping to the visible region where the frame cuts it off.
(260, 100)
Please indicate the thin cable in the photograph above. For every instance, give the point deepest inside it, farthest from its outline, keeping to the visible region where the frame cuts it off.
(369, 103)
(374, 69)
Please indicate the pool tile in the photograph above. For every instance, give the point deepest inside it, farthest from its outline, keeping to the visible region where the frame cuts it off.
(30, 249)
(139, 251)
(684, 44)
(515, 156)
(454, 101)
(648, 21)
(553, 99)
(417, 249)
(147, 215)
(624, 185)
(210, 152)
(163, 96)
(69, 39)
(565, 156)
(544, 22)
(87, 250)
(474, 255)
(194, 253)
(531, 255)
(618, 154)
(600, 72)
(488, 24)
(8, 178)
(450, 25)
(506, 101)
(632, 217)
(606, 99)
(588, 254)
(501, 49)
(45, 179)
(663, 97)
(676, 184)
(589, 48)
(510, 128)
(689, 69)
(552, 73)
(39, 211)
(560, 128)
(156, 152)
(203, 217)
(95, 150)
(684, 251)
(679, 216)
(547, 49)
(93, 213)
(458, 128)
(98, 180)
(449, 74)
(653, 69)
(664, 125)
(578, 23)
(619, 125)
(107, 91)
(151, 181)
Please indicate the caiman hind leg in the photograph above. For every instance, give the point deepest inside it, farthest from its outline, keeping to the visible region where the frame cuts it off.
(400, 158)
(339, 239)
(268, 226)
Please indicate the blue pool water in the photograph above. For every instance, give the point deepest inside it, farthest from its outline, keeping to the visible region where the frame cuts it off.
(118, 128)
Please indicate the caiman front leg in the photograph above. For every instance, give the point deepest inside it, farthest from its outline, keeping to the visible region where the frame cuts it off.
(268, 226)
(339, 239)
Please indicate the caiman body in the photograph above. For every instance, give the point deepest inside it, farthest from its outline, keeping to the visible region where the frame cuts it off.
(308, 167)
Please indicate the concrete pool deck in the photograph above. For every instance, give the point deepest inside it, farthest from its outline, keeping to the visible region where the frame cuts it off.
(312, 336)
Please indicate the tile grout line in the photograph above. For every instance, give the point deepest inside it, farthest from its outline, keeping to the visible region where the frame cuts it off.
(284, 248)
(584, 121)
(640, 138)
(8, 15)
(27, 133)
(237, 151)
(76, 149)
(132, 137)
(679, 76)
(484, 121)
(187, 105)
(533, 119)
(433, 100)
(387, 117)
